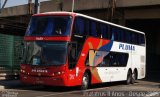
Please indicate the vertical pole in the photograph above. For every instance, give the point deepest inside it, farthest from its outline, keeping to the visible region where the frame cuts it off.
(72, 5)
(38, 10)
(111, 9)
(4, 4)
(29, 6)
(36, 6)
(0, 6)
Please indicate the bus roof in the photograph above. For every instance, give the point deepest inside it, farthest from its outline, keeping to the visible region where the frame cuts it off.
(89, 17)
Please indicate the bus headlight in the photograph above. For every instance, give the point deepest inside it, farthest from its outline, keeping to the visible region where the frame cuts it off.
(23, 71)
(58, 73)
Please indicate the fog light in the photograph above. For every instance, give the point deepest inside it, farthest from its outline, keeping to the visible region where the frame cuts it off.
(59, 73)
(23, 71)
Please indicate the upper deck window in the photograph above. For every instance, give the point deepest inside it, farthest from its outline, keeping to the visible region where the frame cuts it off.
(49, 26)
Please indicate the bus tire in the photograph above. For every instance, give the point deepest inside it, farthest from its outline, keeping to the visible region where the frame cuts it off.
(85, 81)
(129, 77)
(134, 77)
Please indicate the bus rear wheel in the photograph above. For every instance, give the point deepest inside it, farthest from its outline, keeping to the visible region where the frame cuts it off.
(134, 76)
(129, 78)
(85, 82)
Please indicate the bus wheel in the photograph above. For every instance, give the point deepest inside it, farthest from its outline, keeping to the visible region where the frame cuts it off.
(134, 76)
(85, 82)
(129, 78)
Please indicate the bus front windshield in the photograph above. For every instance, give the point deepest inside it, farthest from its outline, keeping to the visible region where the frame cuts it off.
(49, 26)
(45, 53)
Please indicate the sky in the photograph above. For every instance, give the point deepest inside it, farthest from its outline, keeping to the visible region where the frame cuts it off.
(11, 3)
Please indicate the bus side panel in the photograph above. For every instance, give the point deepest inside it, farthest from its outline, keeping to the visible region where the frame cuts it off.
(91, 43)
(120, 71)
(138, 61)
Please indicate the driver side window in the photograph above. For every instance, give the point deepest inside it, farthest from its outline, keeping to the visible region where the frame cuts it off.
(72, 55)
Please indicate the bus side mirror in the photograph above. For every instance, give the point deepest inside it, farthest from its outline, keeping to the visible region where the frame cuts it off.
(22, 51)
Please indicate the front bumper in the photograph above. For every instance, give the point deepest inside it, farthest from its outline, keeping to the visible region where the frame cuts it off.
(49, 81)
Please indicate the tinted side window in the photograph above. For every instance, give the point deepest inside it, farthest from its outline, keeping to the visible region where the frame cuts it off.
(114, 33)
(128, 37)
(98, 31)
(109, 32)
(134, 38)
(121, 35)
(118, 34)
(103, 29)
(79, 26)
(93, 28)
(141, 39)
(107, 59)
(87, 27)
(117, 59)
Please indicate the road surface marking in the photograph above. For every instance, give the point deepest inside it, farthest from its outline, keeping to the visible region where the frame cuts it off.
(153, 94)
(72, 92)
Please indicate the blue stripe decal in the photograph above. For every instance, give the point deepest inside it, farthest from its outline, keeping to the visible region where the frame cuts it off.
(106, 47)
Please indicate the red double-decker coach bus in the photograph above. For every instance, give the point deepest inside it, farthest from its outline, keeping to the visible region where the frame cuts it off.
(71, 49)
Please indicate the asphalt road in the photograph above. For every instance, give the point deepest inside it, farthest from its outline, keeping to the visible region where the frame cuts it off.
(118, 89)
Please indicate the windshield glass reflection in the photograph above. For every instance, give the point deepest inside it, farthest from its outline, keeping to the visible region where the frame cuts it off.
(45, 53)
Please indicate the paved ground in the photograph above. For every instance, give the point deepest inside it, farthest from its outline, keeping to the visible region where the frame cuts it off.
(118, 89)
